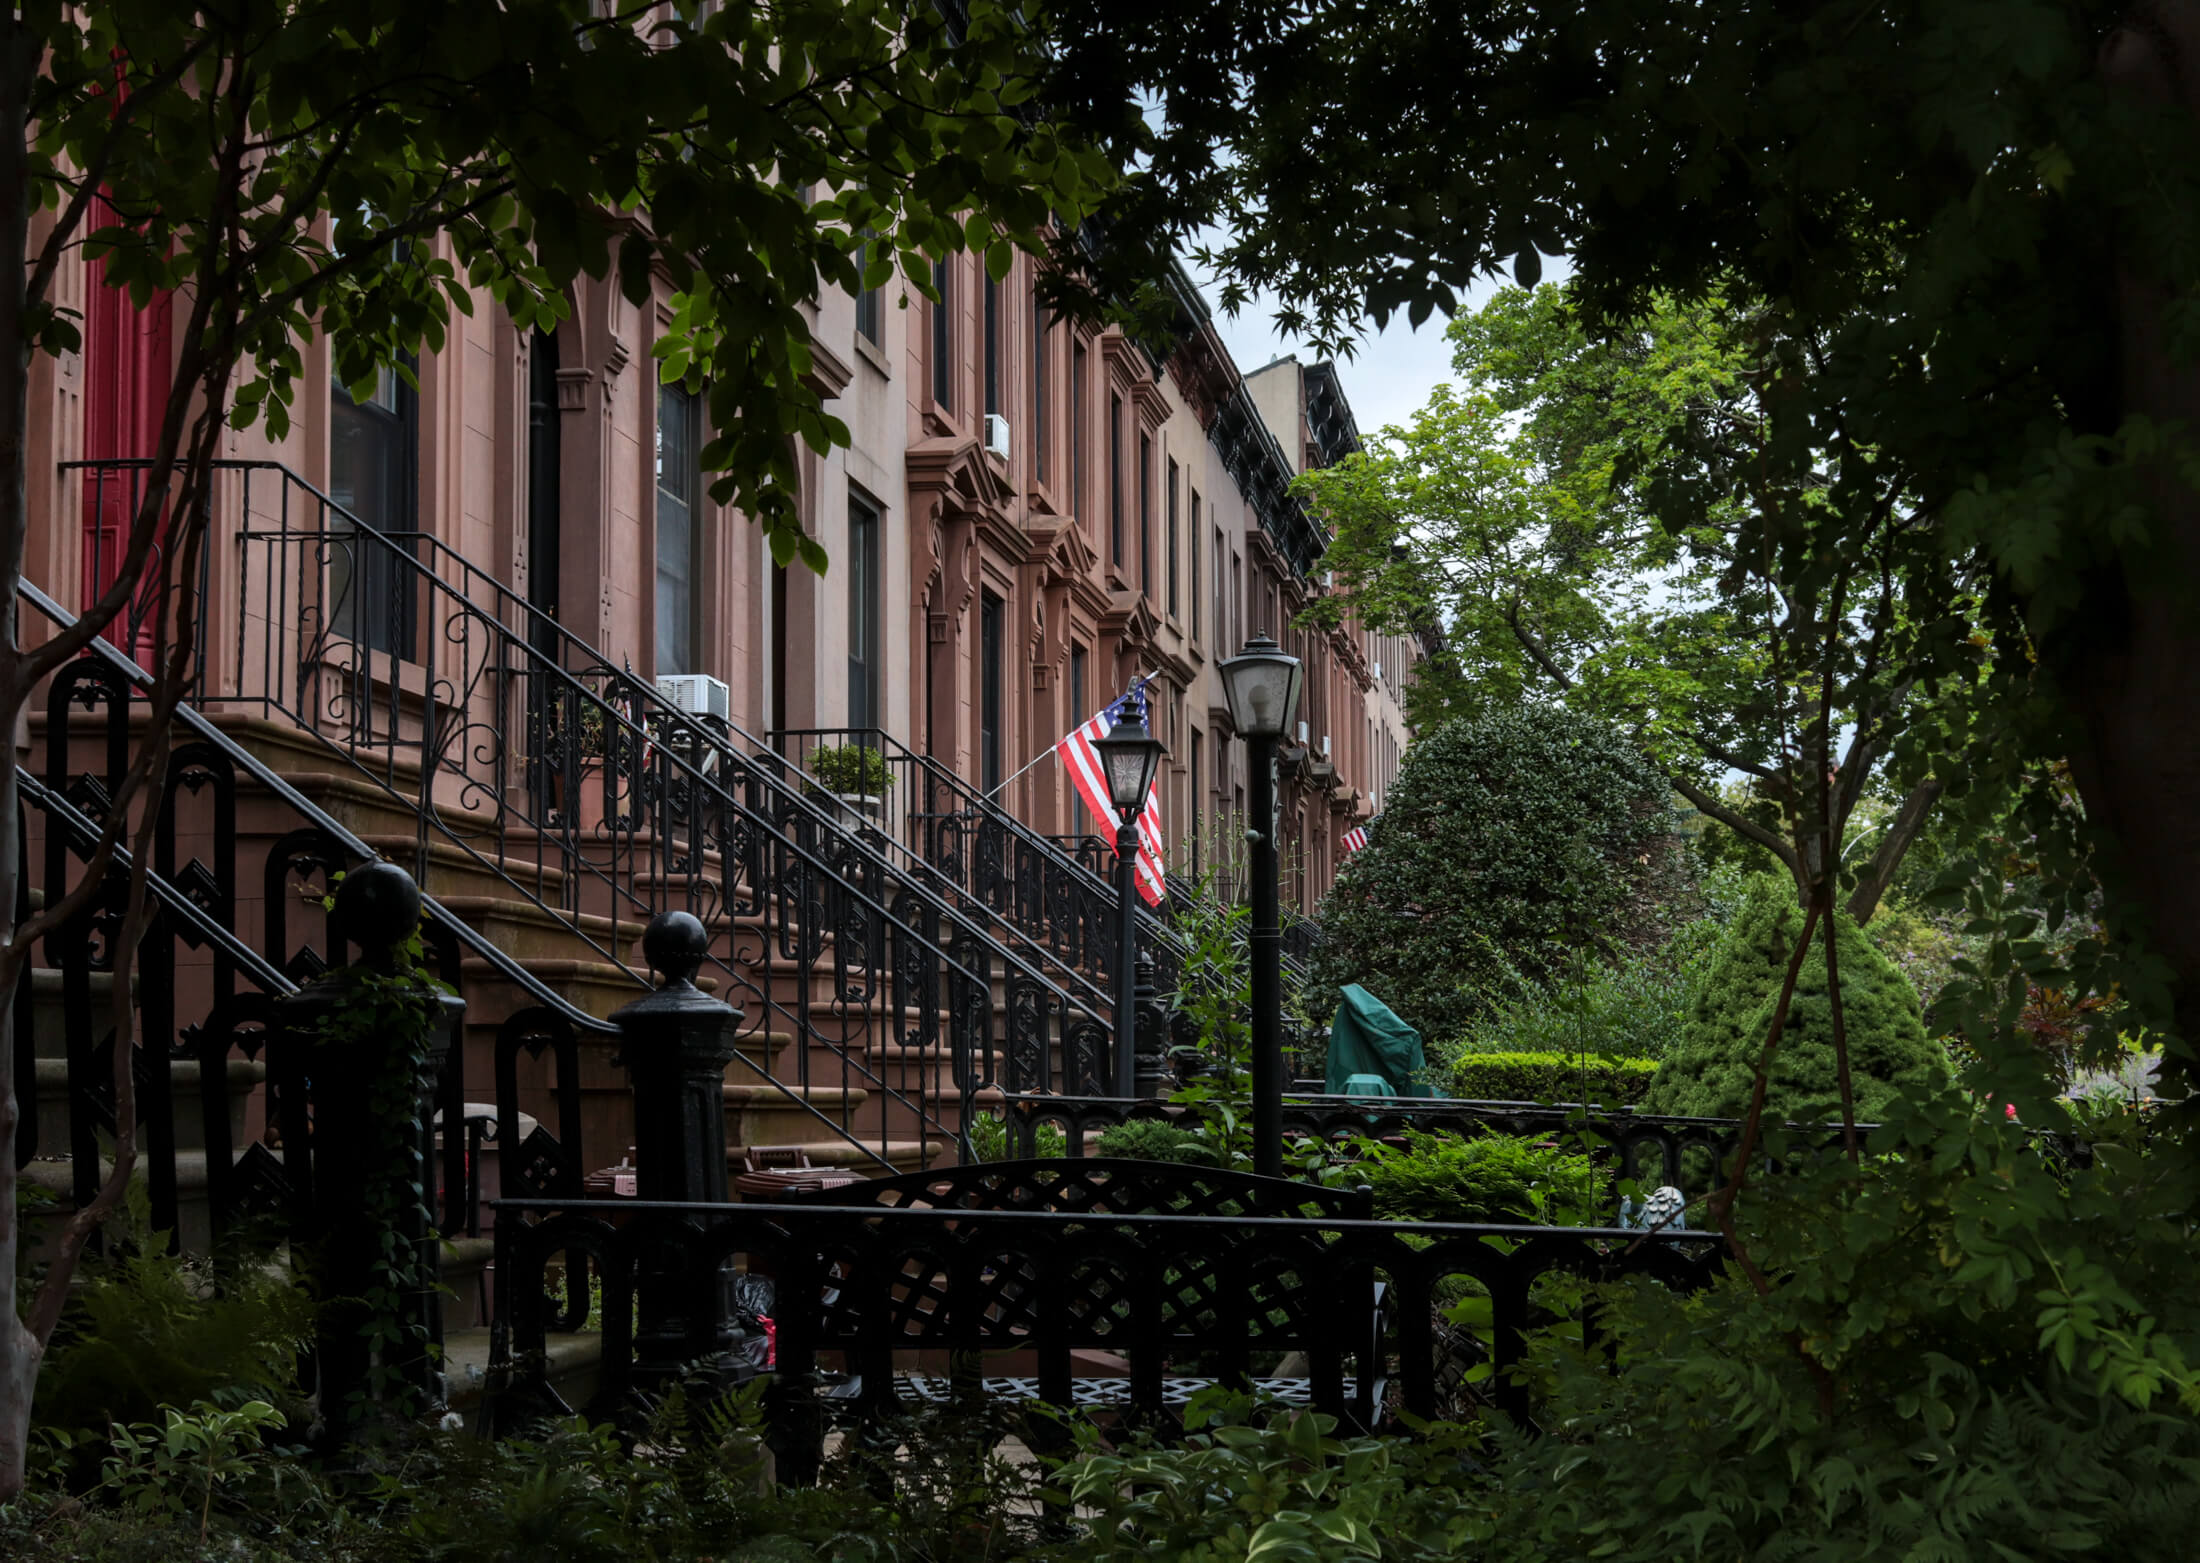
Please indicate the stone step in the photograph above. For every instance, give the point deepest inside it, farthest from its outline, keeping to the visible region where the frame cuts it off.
(575, 1365)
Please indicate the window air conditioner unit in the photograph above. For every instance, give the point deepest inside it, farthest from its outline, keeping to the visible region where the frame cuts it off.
(1325, 746)
(698, 694)
(1302, 735)
(1378, 670)
(996, 435)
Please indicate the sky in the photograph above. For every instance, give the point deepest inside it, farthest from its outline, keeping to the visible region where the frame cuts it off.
(1386, 382)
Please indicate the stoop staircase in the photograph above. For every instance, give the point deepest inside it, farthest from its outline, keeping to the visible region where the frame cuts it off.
(385, 693)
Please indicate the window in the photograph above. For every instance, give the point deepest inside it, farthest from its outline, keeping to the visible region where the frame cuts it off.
(870, 310)
(1038, 387)
(1076, 720)
(991, 624)
(374, 474)
(992, 347)
(1237, 600)
(1077, 431)
(863, 625)
(1196, 535)
(679, 486)
(1172, 539)
(1145, 515)
(943, 340)
(1193, 814)
(1222, 621)
(1115, 479)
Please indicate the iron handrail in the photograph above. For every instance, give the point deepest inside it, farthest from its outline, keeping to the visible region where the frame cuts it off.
(978, 805)
(760, 763)
(250, 764)
(544, 647)
(164, 890)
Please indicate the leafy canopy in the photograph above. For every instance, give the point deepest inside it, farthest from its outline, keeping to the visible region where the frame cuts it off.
(358, 166)
(1630, 520)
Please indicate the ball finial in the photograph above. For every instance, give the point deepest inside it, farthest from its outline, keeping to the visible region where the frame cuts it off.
(675, 944)
(377, 907)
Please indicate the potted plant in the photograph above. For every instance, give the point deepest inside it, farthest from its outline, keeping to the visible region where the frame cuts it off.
(856, 775)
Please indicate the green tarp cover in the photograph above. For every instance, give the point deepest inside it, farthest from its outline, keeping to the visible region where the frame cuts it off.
(1366, 1038)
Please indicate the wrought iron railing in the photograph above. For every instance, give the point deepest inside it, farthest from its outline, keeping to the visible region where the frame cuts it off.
(526, 757)
(1204, 1295)
(1055, 890)
(198, 960)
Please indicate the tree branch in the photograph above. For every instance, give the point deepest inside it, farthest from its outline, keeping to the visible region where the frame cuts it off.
(1909, 819)
(1709, 802)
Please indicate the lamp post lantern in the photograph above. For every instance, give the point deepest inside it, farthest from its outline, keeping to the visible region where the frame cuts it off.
(1262, 685)
(1129, 757)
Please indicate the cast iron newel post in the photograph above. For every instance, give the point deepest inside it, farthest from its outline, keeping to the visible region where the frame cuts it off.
(359, 1169)
(1154, 1026)
(675, 1044)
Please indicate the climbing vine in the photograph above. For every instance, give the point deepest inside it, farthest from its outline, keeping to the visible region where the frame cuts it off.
(388, 1020)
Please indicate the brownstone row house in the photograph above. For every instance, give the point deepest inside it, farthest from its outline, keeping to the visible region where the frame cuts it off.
(494, 629)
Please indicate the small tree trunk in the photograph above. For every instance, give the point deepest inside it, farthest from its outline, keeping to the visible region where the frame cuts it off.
(19, 1349)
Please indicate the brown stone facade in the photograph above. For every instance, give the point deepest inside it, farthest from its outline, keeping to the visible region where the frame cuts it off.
(1030, 515)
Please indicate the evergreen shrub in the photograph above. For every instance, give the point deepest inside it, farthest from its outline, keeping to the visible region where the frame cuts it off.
(1711, 1073)
(1151, 1139)
(1552, 1077)
(1512, 846)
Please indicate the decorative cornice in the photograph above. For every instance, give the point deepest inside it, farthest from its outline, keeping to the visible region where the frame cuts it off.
(829, 373)
(955, 469)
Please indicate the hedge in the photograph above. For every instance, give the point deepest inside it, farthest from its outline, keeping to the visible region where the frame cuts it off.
(1551, 1077)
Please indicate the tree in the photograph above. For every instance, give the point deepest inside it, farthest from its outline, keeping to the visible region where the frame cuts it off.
(1511, 847)
(1988, 218)
(1628, 521)
(361, 168)
(1711, 1073)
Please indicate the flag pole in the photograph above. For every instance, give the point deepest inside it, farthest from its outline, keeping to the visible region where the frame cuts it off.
(1048, 752)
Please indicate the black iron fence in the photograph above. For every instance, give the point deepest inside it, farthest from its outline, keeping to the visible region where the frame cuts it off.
(239, 923)
(1002, 1296)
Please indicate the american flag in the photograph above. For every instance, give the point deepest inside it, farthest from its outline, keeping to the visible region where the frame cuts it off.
(1355, 838)
(1082, 761)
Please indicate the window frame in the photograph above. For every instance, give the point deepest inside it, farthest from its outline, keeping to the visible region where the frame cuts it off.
(692, 415)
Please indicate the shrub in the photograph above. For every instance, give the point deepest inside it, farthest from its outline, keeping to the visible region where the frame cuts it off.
(1492, 1177)
(1633, 1007)
(1551, 1077)
(989, 1139)
(146, 1329)
(1152, 1139)
(1268, 1482)
(1512, 845)
(851, 770)
(1711, 1073)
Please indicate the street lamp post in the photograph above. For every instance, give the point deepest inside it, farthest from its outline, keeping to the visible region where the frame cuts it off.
(1129, 756)
(1262, 685)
